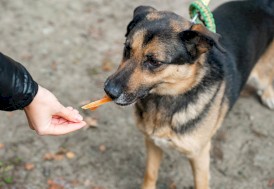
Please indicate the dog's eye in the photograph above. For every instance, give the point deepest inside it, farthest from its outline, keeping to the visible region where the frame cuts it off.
(152, 64)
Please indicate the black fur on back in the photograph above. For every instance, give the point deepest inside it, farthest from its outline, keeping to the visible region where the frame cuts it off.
(246, 29)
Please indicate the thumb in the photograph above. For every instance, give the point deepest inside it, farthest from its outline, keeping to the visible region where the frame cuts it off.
(69, 114)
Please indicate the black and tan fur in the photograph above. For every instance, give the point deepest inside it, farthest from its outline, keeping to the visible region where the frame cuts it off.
(184, 78)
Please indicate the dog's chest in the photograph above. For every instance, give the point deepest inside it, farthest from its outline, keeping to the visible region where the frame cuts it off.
(152, 117)
(156, 122)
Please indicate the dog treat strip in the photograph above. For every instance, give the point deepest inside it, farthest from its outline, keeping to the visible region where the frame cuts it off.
(94, 105)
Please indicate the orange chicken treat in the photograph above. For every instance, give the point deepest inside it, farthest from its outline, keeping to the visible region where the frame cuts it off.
(94, 105)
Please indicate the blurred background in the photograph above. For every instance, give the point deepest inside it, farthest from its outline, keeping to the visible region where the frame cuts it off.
(70, 47)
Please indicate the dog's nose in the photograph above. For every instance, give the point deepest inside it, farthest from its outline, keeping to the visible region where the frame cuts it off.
(112, 90)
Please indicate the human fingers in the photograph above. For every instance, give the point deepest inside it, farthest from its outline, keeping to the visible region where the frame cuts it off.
(65, 127)
(72, 109)
(70, 115)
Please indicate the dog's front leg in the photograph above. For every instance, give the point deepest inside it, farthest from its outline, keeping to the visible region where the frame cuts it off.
(154, 156)
(200, 167)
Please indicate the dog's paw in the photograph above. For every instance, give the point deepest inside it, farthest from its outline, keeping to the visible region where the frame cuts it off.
(269, 102)
(267, 97)
(149, 186)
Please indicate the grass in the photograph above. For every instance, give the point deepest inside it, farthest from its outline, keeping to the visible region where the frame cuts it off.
(7, 169)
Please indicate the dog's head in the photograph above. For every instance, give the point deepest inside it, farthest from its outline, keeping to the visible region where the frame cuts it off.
(163, 54)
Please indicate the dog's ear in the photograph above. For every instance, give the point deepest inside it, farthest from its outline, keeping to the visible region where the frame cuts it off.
(138, 15)
(198, 40)
(143, 10)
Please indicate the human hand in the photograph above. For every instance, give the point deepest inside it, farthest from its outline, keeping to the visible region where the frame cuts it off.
(48, 117)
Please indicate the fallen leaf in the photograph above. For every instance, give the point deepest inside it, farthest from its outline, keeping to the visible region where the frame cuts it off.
(58, 157)
(53, 66)
(172, 185)
(54, 185)
(258, 133)
(61, 151)
(70, 155)
(29, 166)
(107, 65)
(2, 146)
(102, 148)
(91, 122)
(88, 183)
(48, 157)
(271, 183)
(75, 183)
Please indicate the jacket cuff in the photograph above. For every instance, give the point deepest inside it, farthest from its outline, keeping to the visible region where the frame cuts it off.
(17, 88)
(28, 97)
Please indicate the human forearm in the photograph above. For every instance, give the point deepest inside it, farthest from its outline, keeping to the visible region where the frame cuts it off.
(17, 88)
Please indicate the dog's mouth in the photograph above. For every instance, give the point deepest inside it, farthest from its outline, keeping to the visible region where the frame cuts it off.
(122, 96)
(127, 99)
(123, 103)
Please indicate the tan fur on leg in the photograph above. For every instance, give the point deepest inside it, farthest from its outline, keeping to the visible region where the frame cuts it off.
(200, 168)
(154, 156)
(262, 77)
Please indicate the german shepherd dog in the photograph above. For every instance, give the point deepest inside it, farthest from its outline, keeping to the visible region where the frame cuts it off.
(184, 79)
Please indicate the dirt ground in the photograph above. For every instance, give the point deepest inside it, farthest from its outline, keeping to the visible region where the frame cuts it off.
(70, 47)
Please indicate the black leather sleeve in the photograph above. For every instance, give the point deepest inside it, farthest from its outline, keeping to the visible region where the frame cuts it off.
(17, 88)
